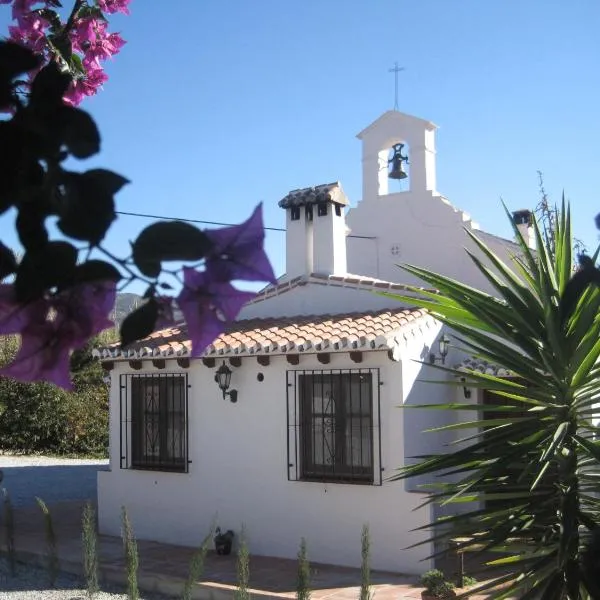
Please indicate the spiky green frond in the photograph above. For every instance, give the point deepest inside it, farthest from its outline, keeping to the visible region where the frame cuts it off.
(525, 478)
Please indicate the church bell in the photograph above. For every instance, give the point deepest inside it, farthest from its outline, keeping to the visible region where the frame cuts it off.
(396, 161)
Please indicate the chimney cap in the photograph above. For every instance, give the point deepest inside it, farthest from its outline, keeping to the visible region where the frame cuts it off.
(522, 217)
(326, 192)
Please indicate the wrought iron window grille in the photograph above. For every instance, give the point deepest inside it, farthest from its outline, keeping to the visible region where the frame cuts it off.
(154, 422)
(334, 426)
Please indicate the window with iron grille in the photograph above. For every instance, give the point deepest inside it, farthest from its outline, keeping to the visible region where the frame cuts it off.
(154, 422)
(333, 426)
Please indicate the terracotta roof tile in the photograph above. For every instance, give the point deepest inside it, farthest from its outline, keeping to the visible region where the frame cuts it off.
(368, 330)
(326, 192)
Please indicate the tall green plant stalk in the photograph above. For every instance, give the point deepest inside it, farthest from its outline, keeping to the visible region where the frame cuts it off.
(52, 562)
(365, 564)
(196, 566)
(524, 475)
(90, 549)
(9, 531)
(131, 555)
(243, 569)
(303, 582)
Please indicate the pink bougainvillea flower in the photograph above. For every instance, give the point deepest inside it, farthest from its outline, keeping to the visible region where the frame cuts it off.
(31, 32)
(208, 306)
(238, 251)
(75, 94)
(22, 9)
(113, 6)
(89, 36)
(85, 86)
(51, 328)
(83, 33)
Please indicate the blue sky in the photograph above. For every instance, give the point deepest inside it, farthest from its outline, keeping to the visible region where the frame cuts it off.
(214, 106)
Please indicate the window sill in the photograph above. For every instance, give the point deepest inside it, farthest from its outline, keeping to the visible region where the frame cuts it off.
(158, 468)
(339, 481)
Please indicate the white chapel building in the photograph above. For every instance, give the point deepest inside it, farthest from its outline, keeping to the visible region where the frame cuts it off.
(320, 364)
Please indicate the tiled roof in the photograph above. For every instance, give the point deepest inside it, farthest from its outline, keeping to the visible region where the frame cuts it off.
(348, 281)
(327, 192)
(482, 366)
(373, 330)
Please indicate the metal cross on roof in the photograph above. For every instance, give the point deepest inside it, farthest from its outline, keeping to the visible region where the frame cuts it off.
(395, 71)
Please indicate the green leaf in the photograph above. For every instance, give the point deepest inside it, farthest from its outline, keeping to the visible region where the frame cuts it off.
(8, 262)
(76, 65)
(87, 209)
(15, 60)
(140, 323)
(522, 485)
(168, 241)
(96, 270)
(53, 266)
(48, 88)
(52, 17)
(80, 134)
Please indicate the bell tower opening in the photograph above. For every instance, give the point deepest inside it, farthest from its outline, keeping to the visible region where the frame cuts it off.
(398, 155)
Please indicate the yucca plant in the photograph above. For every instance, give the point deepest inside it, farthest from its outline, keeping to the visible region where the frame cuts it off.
(525, 481)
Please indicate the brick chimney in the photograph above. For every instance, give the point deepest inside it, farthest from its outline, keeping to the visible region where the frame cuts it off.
(523, 219)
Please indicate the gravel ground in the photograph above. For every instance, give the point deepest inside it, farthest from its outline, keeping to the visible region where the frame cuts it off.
(29, 584)
(52, 479)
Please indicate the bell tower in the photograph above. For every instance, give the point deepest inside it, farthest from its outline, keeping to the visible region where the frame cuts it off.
(390, 144)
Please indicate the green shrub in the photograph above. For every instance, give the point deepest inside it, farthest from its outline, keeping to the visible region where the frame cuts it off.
(39, 417)
(435, 583)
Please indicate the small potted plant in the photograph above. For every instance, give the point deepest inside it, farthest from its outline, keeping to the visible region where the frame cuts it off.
(223, 541)
(436, 586)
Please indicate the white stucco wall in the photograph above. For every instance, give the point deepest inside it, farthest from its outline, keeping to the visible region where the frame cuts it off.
(320, 299)
(239, 472)
(419, 228)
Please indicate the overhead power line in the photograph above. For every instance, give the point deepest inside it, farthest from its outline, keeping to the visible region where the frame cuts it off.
(162, 218)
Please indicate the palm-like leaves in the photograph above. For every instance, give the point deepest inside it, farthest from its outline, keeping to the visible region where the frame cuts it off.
(526, 484)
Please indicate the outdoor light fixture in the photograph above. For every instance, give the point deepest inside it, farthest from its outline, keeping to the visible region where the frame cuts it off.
(466, 390)
(223, 379)
(444, 345)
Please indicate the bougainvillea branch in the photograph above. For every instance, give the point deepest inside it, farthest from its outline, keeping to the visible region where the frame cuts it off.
(79, 44)
(63, 290)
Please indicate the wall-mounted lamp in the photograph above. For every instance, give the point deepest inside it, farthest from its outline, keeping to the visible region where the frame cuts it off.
(444, 346)
(466, 390)
(223, 379)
